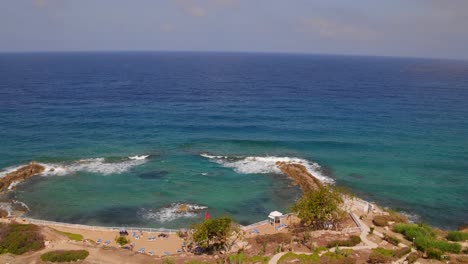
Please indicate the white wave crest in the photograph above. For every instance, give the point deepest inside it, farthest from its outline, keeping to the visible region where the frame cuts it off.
(251, 165)
(96, 165)
(136, 157)
(171, 212)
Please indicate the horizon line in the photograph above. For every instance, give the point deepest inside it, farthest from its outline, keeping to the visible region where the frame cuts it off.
(234, 52)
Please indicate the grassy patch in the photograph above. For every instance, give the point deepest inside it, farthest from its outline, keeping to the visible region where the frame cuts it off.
(351, 242)
(457, 236)
(391, 239)
(382, 255)
(425, 238)
(241, 258)
(72, 236)
(18, 239)
(301, 258)
(64, 255)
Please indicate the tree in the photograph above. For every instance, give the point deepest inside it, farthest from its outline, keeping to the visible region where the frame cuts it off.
(213, 233)
(320, 207)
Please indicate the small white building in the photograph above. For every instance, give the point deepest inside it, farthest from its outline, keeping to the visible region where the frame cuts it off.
(275, 217)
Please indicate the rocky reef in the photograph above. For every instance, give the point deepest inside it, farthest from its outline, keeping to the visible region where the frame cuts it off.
(19, 175)
(300, 175)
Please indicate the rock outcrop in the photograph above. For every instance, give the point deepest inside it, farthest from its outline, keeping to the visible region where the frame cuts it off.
(20, 175)
(299, 174)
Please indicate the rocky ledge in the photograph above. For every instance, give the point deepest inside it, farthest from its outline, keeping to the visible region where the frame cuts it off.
(20, 175)
(299, 174)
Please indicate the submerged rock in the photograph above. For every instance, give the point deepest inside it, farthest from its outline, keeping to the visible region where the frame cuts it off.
(183, 208)
(187, 208)
(13, 178)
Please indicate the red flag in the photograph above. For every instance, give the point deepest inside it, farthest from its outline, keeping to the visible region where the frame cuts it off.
(207, 216)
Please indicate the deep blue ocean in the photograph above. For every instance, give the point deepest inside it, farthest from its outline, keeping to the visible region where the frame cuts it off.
(393, 130)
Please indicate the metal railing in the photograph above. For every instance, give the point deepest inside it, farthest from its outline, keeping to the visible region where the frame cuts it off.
(97, 228)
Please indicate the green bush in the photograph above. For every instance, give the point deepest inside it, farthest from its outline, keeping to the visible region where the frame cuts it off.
(121, 240)
(425, 238)
(457, 236)
(380, 255)
(391, 239)
(302, 258)
(64, 255)
(212, 233)
(434, 253)
(18, 239)
(351, 242)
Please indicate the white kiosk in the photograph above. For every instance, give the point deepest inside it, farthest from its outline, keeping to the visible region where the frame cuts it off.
(275, 218)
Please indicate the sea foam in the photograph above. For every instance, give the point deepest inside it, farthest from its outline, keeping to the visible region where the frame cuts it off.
(171, 212)
(262, 165)
(94, 165)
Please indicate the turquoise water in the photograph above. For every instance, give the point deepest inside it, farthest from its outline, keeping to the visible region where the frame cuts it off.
(394, 130)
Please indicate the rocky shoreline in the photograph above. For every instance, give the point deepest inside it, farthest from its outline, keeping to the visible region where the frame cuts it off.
(11, 179)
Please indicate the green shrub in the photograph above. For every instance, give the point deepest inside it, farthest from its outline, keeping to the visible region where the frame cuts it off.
(257, 259)
(391, 239)
(302, 258)
(72, 236)
(457, 236)
(412, 257)
(236, 258)
(351, 242)
(425, 238)
(380, 255)
(64, 255)
(18, 239)
(434, 253)
(317, 250)
(121, 240)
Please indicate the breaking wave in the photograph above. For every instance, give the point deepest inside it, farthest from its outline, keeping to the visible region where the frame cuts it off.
(171, 212)
(94, 165)
(251, 165)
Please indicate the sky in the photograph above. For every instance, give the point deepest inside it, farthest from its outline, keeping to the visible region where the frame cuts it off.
(416, 28)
